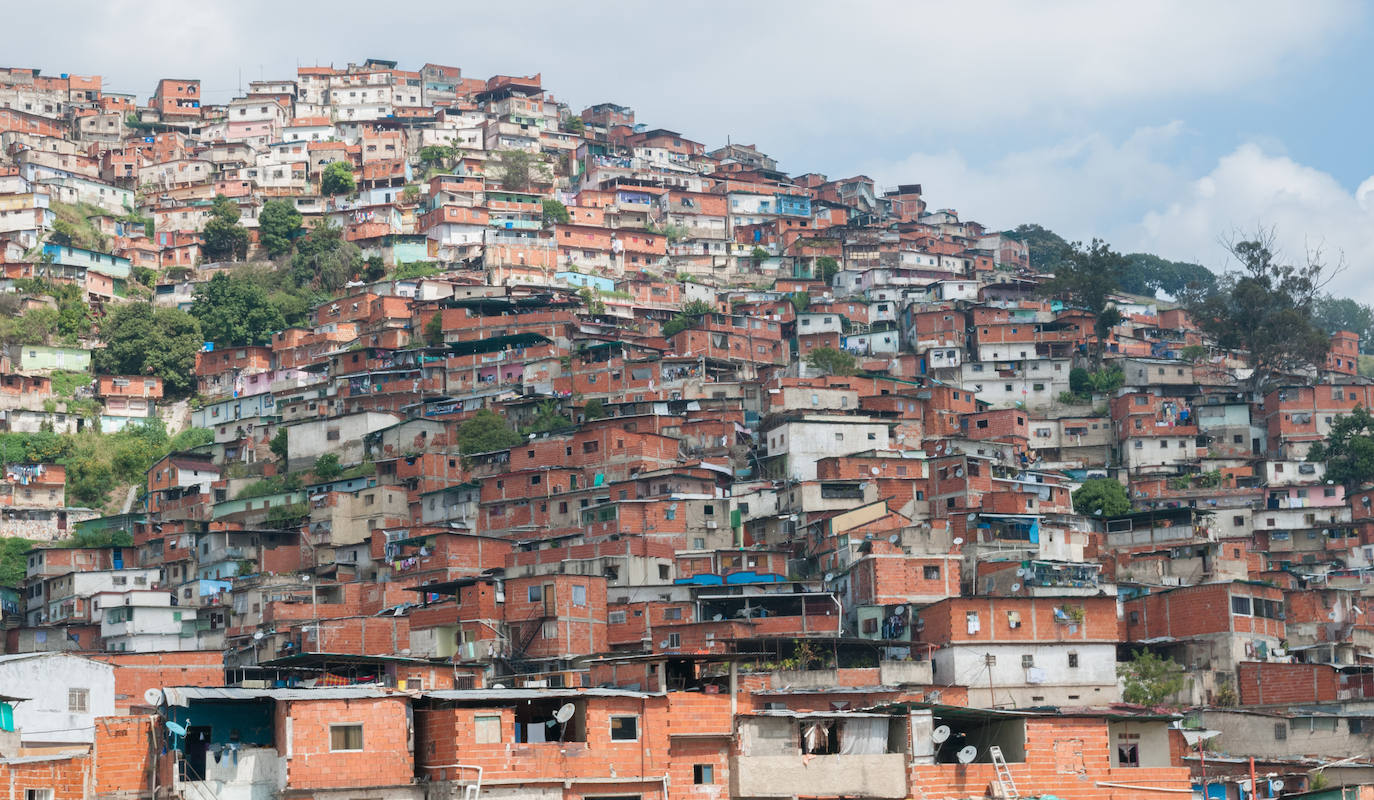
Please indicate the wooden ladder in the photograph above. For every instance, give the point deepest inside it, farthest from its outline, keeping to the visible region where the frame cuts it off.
(1004, 779)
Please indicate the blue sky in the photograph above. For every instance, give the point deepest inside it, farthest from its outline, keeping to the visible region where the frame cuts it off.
(1161, 126)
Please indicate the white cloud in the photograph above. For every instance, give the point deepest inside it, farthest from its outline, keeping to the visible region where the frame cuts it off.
(1075, 187)
(1250, 189)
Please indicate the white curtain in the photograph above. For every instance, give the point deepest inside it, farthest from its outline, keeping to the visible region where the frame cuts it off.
(864, 736)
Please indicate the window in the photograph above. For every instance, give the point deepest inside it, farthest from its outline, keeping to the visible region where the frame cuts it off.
(703, 773)
(931, 572)
(1073, 661)
(1240, 605)
(625, 728)
(345, 738)
(1027, 661)
(615, 618)
(579, 595)
(1280, 731)
(46, 794)
(672, 613)
(1128, 754)
(78, 700)
(534, 594)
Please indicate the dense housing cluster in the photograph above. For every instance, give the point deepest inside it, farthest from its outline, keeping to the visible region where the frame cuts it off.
(545, 454)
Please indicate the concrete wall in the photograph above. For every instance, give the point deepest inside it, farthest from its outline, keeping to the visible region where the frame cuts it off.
(46, 680)
(1092, 682)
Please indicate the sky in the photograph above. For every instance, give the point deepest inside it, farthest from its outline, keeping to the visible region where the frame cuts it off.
(1169, 126)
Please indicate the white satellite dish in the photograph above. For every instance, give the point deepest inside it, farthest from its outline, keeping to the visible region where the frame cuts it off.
(565, 712)
(176, 728)
(959, 473)
(958, 540)
(873, 470)
(153, 697)
(967, 754)
(894, 538)
(1020, 572)
(305, 578)
(257, 635)
(971, 517)
(830, 576)
(1275, 786)
(939, 734)
(1016, 587)
(718, 618)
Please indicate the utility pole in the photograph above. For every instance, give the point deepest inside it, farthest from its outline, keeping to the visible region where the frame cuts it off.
(988, 660)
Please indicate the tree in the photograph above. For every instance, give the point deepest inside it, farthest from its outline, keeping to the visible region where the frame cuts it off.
(327, 467)
(235, 311)
(1264, 309)
(1150, 680)
(799, 300)
(1101, 497)
(592, 409)
(1047, 249)
(1333, 314)
(374, 268)
(324, 260)
(337, 178)
(141, 340)
(514, 169)
(574, 125)
(1193, 353)
(548, 417)
(485, 432)
(13, 566)
(225, 238)
(436, 154)
(758, 255)
(688, 317)
(827, 268)
(555, 212)
(1348, 450)
(278, 224)
(434, 330)
(1080, 382)
(829, 361)
(1086, 277)
(279, 444)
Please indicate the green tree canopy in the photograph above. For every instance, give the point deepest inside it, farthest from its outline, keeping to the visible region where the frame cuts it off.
(1333, 314)
(555, 212)
(1086, 277)
(826, 268)
(548, 417)
(829, 361)
(327, 467)
(278, 224)
(235, 311)
(323, 259)
(484, 432)
(593, 409)
(1348, 450)
(1150, 680)
(689, 317)
(225, 239)
(1264, 309)
(1101, 497)
(337, 178)
(141, 340)
(514, 169)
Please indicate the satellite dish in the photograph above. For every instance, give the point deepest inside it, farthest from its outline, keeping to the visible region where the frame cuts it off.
(894, 538)
(939, 734)
(899, 611)
(305, 579)
(967, 754)
(873, 470)
(663, 644)
(1020, 572)
(257, 635)
(718, 618)
(1276, 786)
(565, 712)
(153, 697)
(1016, 587)
(959, 473)
(498, 686)
(971, 517)
(830, 576)
(958, 540)
(176, 728)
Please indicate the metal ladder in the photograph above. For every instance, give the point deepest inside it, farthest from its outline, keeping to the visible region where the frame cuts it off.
(1004, 779)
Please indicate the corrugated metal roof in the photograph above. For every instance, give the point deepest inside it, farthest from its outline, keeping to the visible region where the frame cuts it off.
(531, 694)
(180, 695)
